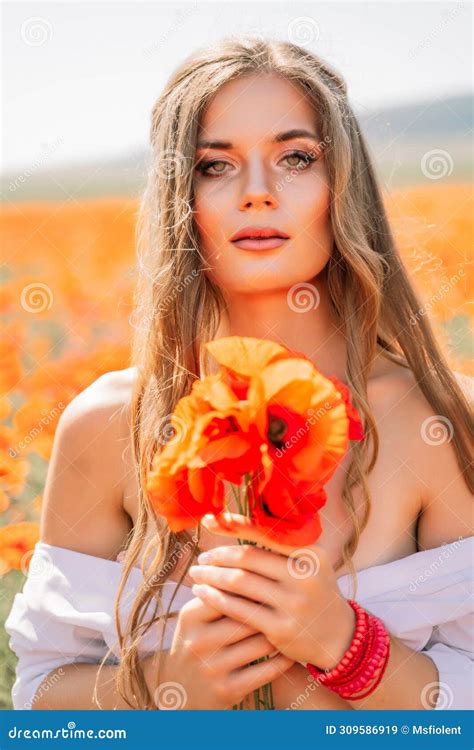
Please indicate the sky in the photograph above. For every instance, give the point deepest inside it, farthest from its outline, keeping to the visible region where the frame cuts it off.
(79, 79)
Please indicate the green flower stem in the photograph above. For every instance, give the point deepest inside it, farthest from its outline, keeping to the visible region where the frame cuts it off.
(263, 697)
(268, 701)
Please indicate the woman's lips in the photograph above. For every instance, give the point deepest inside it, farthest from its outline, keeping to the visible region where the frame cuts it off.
(255, 243)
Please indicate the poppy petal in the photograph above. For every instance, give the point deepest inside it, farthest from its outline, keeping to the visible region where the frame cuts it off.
(245, 355)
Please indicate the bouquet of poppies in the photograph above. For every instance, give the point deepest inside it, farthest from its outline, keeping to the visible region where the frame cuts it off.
(270, 424)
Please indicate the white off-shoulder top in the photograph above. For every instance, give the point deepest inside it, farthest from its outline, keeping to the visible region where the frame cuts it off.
(65, 613)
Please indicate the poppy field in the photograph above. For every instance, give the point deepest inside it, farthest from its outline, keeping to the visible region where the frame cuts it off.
(67, 283)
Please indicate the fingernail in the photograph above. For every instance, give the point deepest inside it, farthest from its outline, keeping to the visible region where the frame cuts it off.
(204, 557)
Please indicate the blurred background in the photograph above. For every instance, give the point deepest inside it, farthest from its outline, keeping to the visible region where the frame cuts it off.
(79, 81)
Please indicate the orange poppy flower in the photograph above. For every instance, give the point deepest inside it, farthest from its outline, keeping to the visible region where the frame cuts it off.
(17, 541)
(305, 418)
(288, 510)
(268, 414)
(209, 445)
(305, 422)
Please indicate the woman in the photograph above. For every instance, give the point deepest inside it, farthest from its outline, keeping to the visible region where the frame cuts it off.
(255, 138)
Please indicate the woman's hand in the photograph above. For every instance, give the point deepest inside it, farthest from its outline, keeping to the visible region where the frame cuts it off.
(207, 664)
(291, 596)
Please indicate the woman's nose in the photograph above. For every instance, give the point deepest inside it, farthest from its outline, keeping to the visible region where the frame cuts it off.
(257, 200)
(257, 192)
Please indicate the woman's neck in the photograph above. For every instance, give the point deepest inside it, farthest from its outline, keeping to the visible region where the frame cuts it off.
(301, 320)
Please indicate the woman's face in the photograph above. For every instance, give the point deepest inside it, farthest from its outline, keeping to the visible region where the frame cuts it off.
(250, 173)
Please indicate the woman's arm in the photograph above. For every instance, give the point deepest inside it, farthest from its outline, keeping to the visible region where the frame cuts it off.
(297, 690)
(82, 511)
(83, 496)
(403, 685)
(72, 686)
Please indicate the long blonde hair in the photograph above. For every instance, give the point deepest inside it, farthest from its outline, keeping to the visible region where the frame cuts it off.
(178, 308)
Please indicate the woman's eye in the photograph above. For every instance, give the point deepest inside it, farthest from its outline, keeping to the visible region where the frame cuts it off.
(204, 166)
(303, 159)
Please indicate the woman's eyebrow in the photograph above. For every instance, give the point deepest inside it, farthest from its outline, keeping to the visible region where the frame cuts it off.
(287, 135)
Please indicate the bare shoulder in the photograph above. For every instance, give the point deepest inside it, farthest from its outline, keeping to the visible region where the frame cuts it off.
(82, 507)
(425, 437)
(448, 508)
(98, 417)
(394, 391)
(392, 394)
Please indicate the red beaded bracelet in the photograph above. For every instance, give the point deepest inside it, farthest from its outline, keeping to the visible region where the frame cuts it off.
(363, 663)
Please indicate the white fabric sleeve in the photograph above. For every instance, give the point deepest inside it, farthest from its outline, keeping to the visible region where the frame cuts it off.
(451, 649)
(451, 645)
(57, 619)
(66, 614)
